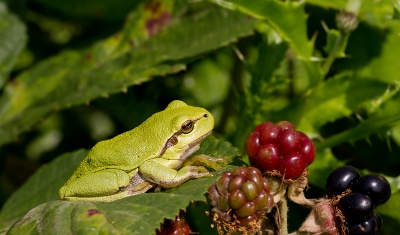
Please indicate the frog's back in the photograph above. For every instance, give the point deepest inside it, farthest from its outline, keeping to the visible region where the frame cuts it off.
(125, 151)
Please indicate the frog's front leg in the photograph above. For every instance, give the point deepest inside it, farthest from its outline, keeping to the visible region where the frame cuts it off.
(104, 186)
(159, 172)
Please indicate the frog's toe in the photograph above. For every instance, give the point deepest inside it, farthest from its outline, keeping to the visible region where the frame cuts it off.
(199, 169)
(221, 160)
(203, 159)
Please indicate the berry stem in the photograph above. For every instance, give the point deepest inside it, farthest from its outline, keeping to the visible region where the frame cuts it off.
(299, 233)
(296, 193)
(282, 221)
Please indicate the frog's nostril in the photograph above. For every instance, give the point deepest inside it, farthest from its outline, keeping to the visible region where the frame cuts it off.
(205, 115)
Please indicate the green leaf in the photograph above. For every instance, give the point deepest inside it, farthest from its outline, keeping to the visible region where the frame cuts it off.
(331, 100)
(42, 187)
(140, 214)
(338, 4)
(384, 67)
(391, 207)
(288, 19)
(152, 43)
(376, 13)
(383, 119)
(270, 56)
(332, 42)
(13, 40)
(213, 147)
(105, 9)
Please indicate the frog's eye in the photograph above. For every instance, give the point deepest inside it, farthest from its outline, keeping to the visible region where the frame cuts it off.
(187, 126)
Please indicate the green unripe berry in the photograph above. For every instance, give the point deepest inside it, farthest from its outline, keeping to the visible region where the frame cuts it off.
(222, 183)
(247, 209)
(224, 203)
(236, 183)
(237, 199)
(249, 189)
(242, 171)
(247, 220)
(261, 201)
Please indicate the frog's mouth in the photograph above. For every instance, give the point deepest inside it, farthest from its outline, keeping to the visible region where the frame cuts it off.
(199, 140)
(194, 146)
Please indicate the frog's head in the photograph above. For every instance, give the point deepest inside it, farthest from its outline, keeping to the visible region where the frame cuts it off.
(188, 127)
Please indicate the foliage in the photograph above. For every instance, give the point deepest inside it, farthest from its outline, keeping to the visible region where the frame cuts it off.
(121, 216)
(72, 75)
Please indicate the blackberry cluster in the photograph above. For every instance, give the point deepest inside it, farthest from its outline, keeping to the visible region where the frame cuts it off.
(241, 194)
(280, 147)
(358, 196)
(178, 226)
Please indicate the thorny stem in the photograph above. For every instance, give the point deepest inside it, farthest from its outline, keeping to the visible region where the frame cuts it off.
(332, 56)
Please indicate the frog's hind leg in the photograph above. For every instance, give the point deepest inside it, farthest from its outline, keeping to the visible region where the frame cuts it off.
(138, 184)
(104, 186)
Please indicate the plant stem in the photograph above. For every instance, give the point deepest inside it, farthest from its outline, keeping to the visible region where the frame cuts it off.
(283, 210)
(341, 39)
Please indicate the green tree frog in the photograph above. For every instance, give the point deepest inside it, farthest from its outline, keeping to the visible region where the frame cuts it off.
(151, 155)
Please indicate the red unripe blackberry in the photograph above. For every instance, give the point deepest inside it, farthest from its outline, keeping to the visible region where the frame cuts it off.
(268, 145)
(289, 141)
(291, 165)
(252, 144)
(268, 157)
(270, 134)
(285, 125)
(261, 126)
(307, 149)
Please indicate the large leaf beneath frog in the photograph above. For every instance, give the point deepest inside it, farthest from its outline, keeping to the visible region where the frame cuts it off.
(13, 39)
(140, 214)
(157, 39)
